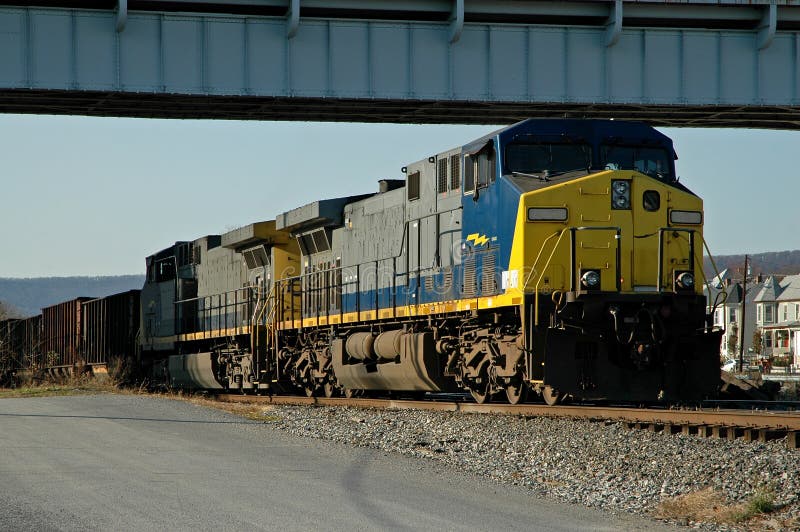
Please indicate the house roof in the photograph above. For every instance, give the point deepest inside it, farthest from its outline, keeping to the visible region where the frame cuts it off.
(770, 291)
(734, 292)
(790, 288)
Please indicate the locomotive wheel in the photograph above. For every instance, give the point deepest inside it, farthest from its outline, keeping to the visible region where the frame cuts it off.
(329, 388)
(551, 396)
(310, 390)
(480, 392)
(516, 392)
(350, 393)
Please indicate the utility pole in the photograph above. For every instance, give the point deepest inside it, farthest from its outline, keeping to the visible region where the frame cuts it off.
(742, 316)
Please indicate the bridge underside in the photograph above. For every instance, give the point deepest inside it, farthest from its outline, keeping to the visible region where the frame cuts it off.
(667, 63)
(149, 105)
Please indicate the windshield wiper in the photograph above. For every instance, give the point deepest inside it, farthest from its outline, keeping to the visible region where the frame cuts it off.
(544, 176)
(562, 172)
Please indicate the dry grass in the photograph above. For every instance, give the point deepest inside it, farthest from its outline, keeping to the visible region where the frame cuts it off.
(116, 380)
(248, 411)
(710, 506)
(76, 386)
(81, 382)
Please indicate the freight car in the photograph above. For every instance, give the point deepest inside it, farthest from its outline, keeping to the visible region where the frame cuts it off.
(109, 329)
(560, 257)
(82, 334)
(19, 345)
(62, 329)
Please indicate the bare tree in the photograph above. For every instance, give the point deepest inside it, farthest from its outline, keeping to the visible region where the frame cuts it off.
(757, 345)
(733, 339)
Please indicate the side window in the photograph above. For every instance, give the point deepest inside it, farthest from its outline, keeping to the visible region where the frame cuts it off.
(469, 174)
(486, 168)
(483, 170)
(165, 270)
(413, 186)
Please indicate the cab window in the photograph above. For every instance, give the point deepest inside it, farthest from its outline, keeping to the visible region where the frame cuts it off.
(532, 158)
(654, 162)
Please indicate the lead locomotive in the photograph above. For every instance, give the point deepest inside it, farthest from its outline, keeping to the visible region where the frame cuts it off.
(560, 257)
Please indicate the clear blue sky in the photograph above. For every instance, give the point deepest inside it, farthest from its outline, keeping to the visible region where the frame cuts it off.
(94, 196)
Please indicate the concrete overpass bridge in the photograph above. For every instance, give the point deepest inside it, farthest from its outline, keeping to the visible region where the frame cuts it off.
(726, 63)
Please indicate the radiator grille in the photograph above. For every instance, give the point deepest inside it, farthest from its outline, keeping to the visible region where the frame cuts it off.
(455, 172)
(447, 281)
(488, 281)
(470, 287)
(441, 174)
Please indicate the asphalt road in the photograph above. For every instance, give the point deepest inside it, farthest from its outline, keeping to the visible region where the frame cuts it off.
(142, 463)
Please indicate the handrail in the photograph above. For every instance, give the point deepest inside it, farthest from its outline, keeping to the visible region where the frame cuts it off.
(716, 270)
(694, 257)
(544, 269)
(538, 256)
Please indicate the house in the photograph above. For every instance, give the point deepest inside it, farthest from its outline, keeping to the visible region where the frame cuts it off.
(778, 318)
(725, 303)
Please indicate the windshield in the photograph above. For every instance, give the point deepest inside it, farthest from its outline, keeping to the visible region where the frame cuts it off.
(533, 158)
(651, 161)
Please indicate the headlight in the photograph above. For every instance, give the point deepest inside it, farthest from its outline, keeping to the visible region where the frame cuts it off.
(591, 279)
(685, 281)
(620, 194)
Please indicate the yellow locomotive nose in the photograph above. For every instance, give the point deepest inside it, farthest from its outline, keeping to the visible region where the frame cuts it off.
(611, 298)
(612, 231)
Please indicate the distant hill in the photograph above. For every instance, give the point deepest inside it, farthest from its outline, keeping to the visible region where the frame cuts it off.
(27, 296)
(774, 262)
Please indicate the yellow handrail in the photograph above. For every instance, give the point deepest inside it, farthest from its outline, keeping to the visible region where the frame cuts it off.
(258, 313)
(535, 262)
(716, 270)
(544, 269)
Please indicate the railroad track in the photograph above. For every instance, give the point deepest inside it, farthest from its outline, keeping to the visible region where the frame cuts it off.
(749, 425)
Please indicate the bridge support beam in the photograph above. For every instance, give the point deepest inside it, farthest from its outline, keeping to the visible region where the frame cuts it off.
(185, 65)
(768, 26)
(292, 18)
(122, 15)
(614, 24)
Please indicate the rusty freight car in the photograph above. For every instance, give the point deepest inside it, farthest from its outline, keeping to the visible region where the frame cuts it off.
(110, 325)
(62, 330)
(20, 346)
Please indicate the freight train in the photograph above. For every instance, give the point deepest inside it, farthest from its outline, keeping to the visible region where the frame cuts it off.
(554, 257)
(82, 334)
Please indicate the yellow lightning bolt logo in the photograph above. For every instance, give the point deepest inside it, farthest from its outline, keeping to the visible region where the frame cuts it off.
(477, 239)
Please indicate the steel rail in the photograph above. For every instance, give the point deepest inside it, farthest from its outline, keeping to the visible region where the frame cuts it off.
(743, 419)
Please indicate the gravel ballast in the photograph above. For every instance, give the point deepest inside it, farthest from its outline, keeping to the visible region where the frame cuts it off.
(598, 464)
